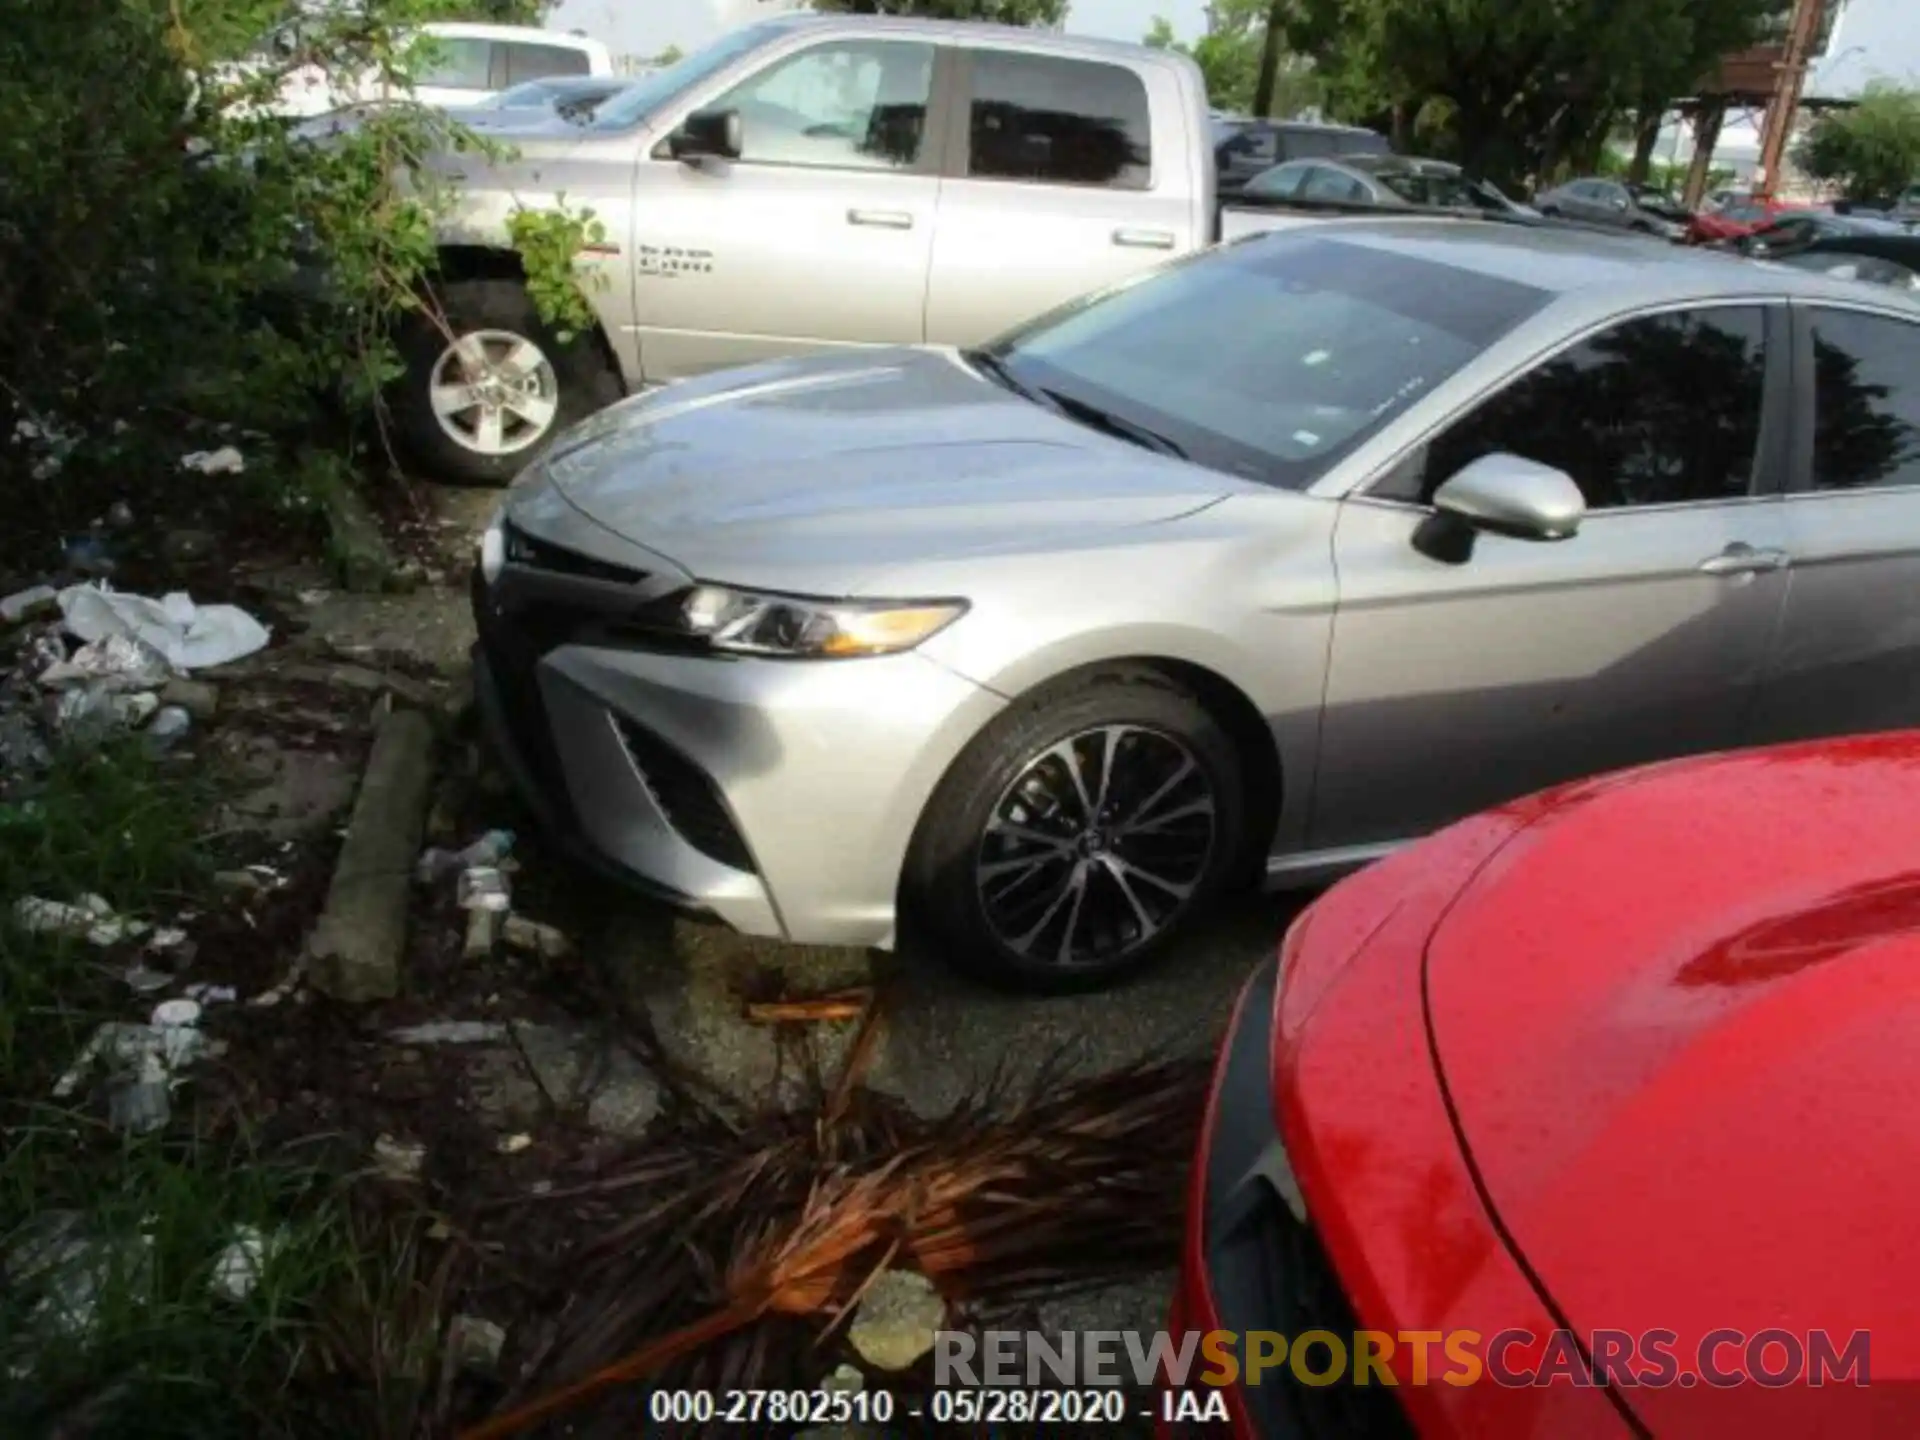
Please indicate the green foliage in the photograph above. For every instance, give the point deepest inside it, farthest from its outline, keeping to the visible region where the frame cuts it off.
(672, 55)
(548, 242)
(496, 12)
(1229, 57)
(999, 12)
(1871, 150)
(173, 259)
(1527, 83)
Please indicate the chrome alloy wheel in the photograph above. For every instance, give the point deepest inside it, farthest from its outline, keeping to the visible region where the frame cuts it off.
(1097, 846)
(494, 392)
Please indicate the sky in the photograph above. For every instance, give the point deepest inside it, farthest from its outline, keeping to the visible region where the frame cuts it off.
(646, 27)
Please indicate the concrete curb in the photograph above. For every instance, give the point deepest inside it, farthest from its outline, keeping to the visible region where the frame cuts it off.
(357, 946)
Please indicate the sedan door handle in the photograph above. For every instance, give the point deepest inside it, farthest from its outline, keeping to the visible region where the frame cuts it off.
(1740, 558)
(885, 219)
(1144, 239)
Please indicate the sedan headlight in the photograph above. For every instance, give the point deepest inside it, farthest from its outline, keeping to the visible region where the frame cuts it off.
(800, 627)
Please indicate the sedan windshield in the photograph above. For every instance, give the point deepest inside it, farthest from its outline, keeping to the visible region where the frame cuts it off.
(1270, 359)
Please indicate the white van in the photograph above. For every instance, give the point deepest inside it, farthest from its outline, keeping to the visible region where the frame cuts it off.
(469, 63)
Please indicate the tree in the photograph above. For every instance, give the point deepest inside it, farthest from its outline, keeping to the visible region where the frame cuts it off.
(499, 12)
(1871, 150)
(1526, 81)
(672, 55)
(999, 12)
(1229, 57)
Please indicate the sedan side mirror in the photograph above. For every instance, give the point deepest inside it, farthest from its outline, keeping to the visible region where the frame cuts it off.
(1512, 495)
(707, 132)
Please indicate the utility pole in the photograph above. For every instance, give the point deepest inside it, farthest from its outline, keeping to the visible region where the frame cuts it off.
(1784, 104)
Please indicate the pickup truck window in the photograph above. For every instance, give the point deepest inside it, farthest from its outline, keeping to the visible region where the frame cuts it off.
(1271, 359)
(1057, 121)
(846, 104)
(455, 63)
(538, 62)
(645, 96)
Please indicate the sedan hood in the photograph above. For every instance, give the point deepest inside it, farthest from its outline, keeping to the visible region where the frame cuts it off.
(1675, 1016)
(816, 474)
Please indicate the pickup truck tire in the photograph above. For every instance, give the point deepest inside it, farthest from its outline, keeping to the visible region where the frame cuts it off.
(1114, 800)
(479, 404)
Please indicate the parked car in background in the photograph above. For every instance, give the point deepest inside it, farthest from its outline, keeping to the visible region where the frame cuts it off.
(569, 96)
(1736, 218)
(1243, 148)
(807, 183)
(462, 64)
(1475, 1080)
(1797, 231)
(1265, 563)
(1389, 181)
(1610, 202)
(1878, 254)
(1904, 207)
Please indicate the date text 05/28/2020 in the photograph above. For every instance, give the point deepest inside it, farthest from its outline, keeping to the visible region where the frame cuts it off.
(989, 1405)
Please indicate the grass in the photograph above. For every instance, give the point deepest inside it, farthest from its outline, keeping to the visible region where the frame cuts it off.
(162, 1353)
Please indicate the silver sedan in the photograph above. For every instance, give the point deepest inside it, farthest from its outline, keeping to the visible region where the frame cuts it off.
(1258, 566)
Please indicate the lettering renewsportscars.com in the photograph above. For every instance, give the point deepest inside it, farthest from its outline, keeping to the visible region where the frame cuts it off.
(1512, 1358)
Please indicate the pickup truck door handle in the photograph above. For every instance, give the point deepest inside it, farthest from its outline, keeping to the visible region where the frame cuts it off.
(886, 219)
(1144, 239)
(1740, 558)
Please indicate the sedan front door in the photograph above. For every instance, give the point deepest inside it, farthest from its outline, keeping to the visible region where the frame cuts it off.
(818, 235)
(1849, 653)
(1456, 682)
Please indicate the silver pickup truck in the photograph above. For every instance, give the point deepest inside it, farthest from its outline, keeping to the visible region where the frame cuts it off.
(808, 182)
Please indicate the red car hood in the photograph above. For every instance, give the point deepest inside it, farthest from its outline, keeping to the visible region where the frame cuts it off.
(1678, 1017)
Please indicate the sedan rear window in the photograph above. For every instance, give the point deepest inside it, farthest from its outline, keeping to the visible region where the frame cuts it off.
(1271, 359)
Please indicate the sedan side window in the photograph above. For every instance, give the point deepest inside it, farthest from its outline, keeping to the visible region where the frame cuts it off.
(1325, 183)
(1282, 182)
(1662, 410)
(851, 105)
(1866, 401)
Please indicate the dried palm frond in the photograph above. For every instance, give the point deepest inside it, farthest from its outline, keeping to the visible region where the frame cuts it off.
(1068, 1184)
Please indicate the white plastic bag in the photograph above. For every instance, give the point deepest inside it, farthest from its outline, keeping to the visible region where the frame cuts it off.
(191, 637)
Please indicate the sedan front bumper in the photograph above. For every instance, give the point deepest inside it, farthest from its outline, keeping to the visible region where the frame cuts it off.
(780, 796)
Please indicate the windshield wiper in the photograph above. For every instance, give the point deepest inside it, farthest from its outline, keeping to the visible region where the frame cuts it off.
(1002, 375)
(1131, 430)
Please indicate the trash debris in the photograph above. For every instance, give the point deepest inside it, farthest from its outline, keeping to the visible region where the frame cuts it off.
(895, 1321)
(483, 930)
(399, 1159)
(92, 918)
(168, 726)
(188, 636)
(476, 1343)
(114, 662)
(143, 980)
(847, 1005)
(489, 850)
(483, 887)
(145, 1060)
(120, 515)
(224, 461)
(514, 1144)
(29, 604)
(74, 1271)
(238, 1270)
(533, 937)
(21, 748)
(203, 994)
(279, 992)
(449, 1032)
